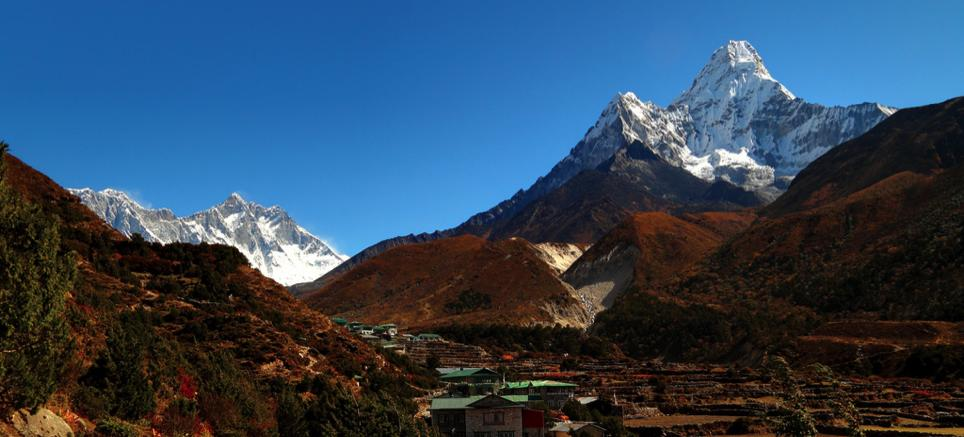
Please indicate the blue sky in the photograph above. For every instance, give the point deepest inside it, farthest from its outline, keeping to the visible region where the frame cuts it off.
(367, 120)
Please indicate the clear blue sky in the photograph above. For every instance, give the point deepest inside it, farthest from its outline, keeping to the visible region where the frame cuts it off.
(384, 118)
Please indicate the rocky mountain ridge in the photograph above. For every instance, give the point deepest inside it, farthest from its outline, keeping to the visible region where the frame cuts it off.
(267, 236)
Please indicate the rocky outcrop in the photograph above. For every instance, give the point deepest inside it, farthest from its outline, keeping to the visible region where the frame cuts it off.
(42, 423)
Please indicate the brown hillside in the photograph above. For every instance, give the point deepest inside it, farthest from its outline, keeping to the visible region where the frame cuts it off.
(648, 249)
(454, 280)
(191, 307)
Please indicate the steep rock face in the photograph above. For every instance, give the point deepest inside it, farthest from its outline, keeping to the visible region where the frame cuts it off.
(634, 179)
(458, 280)
(268, 237)
(559, 256)
(735, 124)
(735, 106)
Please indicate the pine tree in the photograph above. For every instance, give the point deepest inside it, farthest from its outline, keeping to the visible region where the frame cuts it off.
(799, 422)
(35, 275)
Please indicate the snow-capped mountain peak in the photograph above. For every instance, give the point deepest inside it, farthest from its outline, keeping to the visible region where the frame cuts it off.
(735, 122)
(726, 97)
(738, 56)
(268, 237)
(734, 69)
(736, 107)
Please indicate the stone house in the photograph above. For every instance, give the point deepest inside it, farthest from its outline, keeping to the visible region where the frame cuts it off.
(484, 416)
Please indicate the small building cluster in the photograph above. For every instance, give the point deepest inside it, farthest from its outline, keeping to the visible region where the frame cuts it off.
(385, 336)
(480, 403)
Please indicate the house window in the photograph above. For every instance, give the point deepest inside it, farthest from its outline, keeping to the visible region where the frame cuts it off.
(505, 434)
(494, 418)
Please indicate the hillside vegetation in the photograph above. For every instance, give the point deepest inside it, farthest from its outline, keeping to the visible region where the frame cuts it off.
(176, 338)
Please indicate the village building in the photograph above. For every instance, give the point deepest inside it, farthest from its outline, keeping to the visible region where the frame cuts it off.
(388, 329)
(485, 416)
(555, 394)
(428, 337)
(577, 429)
(472, 381)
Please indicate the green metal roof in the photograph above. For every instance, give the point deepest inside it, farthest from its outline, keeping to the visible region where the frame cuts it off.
(466, 372)
(463, 403)
(519, 399)
(454, 403)
(427, 335)
(537, 384)
(339, 321)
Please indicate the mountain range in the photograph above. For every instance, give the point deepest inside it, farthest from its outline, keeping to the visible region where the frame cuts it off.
(736, 136)
(872, 230)
(269, 238)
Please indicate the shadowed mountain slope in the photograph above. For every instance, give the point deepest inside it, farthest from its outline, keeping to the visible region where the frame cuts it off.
(872, 230)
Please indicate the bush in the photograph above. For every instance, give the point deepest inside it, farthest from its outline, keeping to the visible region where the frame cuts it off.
(112, 427)
(468, 301)
(180, 418)
(333, 410)
(229, 398)
(117, 384)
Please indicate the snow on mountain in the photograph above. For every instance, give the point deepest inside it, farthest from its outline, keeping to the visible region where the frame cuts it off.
(735, 122)
(735, 105)
(268, 237)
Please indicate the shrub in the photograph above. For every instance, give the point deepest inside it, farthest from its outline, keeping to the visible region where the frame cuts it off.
(468, 301)
(117, 383)
(112, 427)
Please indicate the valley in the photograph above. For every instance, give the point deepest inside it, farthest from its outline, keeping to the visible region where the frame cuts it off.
(738, 261)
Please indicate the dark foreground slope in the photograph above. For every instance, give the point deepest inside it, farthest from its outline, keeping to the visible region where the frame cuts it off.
(185, 339)
(874, 230)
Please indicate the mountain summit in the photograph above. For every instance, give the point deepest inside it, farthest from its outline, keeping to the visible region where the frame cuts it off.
(268, 237)
(735, 106)
(735, 125)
